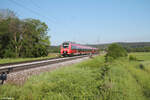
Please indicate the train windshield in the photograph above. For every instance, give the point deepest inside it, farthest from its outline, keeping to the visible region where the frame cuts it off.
(65, 45)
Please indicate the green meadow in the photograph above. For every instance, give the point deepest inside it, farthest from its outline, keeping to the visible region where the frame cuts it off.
(14, 60)
(93, 79)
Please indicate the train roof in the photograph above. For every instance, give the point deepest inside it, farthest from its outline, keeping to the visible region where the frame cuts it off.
(80, 45)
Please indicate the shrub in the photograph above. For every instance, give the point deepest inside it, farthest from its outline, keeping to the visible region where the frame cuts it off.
(142, 66)
(109, 59)
(9, 54)
(115, 51)
(132, 58)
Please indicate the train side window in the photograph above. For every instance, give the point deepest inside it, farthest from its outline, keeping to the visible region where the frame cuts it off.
(73, 47)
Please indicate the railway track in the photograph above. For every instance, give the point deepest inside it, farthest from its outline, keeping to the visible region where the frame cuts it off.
(31, 64)
(10, 68)
(14, 63)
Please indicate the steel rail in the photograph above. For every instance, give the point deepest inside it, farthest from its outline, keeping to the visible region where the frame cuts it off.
(21, 62)
(6, 69)
(22, 66)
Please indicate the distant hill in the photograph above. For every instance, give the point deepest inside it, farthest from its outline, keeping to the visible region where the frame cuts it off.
(124, 44)
(135, 44)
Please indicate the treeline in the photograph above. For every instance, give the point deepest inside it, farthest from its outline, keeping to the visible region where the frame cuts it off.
(130, 47)
(136, 46)
(138, 49)
(22, 38)
(54, 49)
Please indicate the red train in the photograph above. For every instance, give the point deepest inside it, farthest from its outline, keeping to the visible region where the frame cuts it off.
(70, 49)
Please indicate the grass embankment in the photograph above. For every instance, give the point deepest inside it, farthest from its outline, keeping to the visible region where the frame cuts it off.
(140, 70)
(90, 80)
(13, 60)
(144, 59)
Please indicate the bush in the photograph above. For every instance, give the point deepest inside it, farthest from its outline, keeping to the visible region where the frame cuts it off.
(109, 59)
(9, 54)
(142, 66)
(115, 51)
(132, 58)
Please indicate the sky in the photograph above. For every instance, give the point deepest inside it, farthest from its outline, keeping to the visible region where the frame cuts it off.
(88, 21)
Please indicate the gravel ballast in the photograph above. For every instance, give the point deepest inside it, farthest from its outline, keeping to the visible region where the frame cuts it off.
(20, 77)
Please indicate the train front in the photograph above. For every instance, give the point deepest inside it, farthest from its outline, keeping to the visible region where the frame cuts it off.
(65, 49)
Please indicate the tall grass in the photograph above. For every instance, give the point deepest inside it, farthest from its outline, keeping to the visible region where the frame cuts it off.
(141, 75)
(66, 83)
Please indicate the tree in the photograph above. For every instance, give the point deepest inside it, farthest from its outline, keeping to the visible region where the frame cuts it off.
(6, 13)
(36, 35)
(115, 51)
(23, 38)
(9, 26)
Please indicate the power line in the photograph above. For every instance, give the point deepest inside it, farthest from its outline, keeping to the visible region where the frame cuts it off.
(30, 10)
(37, 6)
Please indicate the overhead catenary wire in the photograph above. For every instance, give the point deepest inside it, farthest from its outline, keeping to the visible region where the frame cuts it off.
(35, 4)
(39, 8)
(30, 10)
